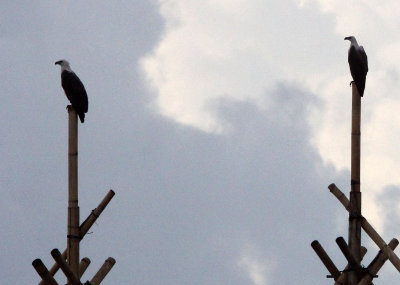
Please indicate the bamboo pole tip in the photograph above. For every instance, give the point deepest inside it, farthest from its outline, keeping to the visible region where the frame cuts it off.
(395, 241)
(340, 240)
(37, 262)
(85, 259)
(331, 186)
(112, 192)
(314, 243)
(55, 252)
(111, 260)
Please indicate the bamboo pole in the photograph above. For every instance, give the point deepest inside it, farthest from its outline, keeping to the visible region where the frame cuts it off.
(53, 270)
(91, 219)
(369, 230)
(342, 280)
(326, 260)
(103, 271)
(377, 263)
(85, 262)
(41, 269)
(355, 193)
(348, 255)
(72, 278)
(73, 237)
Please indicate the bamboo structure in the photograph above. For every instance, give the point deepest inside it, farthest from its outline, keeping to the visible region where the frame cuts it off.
(354, 273)
(68, 261)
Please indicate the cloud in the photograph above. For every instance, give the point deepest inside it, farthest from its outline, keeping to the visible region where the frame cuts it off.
(258, 271)
(228, 49)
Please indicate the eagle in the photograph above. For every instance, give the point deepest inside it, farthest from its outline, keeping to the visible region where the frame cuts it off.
(358, 63)
(74, 89)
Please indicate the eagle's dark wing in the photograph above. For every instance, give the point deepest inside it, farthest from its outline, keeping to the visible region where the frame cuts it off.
(75, 92)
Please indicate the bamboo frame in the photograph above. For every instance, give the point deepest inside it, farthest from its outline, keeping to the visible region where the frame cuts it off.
(369, 230)
(73, 237)
(85, 227)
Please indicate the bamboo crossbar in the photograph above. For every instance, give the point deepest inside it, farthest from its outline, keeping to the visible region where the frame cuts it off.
(342, 280)
(354, 265)
(326, 260)
(41, 269)
(85, 262)
(393, 258)
(91, 219)
(72, 278)
(377, 263)
(103, 271)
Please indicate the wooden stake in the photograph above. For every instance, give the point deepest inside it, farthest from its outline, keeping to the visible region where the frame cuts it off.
(73, 208)
(355, 193)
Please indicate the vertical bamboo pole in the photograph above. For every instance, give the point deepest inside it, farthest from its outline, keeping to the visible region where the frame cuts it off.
(73, 237)
(355, 193)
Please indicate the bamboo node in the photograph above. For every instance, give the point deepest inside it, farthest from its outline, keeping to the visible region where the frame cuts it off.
(74, 237)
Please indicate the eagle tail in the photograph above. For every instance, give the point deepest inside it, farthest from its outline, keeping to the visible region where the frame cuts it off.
(82, 117)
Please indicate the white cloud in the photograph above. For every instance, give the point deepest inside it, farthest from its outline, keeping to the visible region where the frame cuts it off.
(229, 49)
(256, 269)
(240, 49)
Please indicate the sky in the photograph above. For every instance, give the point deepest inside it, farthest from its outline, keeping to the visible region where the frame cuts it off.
(219, 125)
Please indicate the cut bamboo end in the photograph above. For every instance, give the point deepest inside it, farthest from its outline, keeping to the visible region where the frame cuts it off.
(326, 260)
(41, 269)
(85, 262)
(103, 271)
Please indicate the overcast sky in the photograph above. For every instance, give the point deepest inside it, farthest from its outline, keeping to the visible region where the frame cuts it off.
(219, 125)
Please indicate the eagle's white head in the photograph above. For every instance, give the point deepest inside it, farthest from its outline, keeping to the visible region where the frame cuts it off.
(64, 65)
(352, 40)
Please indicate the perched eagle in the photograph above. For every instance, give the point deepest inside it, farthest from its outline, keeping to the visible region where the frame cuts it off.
(74, 89)
(358, 64)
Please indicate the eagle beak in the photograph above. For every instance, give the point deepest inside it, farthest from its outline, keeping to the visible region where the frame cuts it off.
(57, 62)
(347, 38)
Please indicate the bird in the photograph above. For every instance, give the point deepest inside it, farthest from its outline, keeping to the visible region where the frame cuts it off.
(358, 63)
(74, 89)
